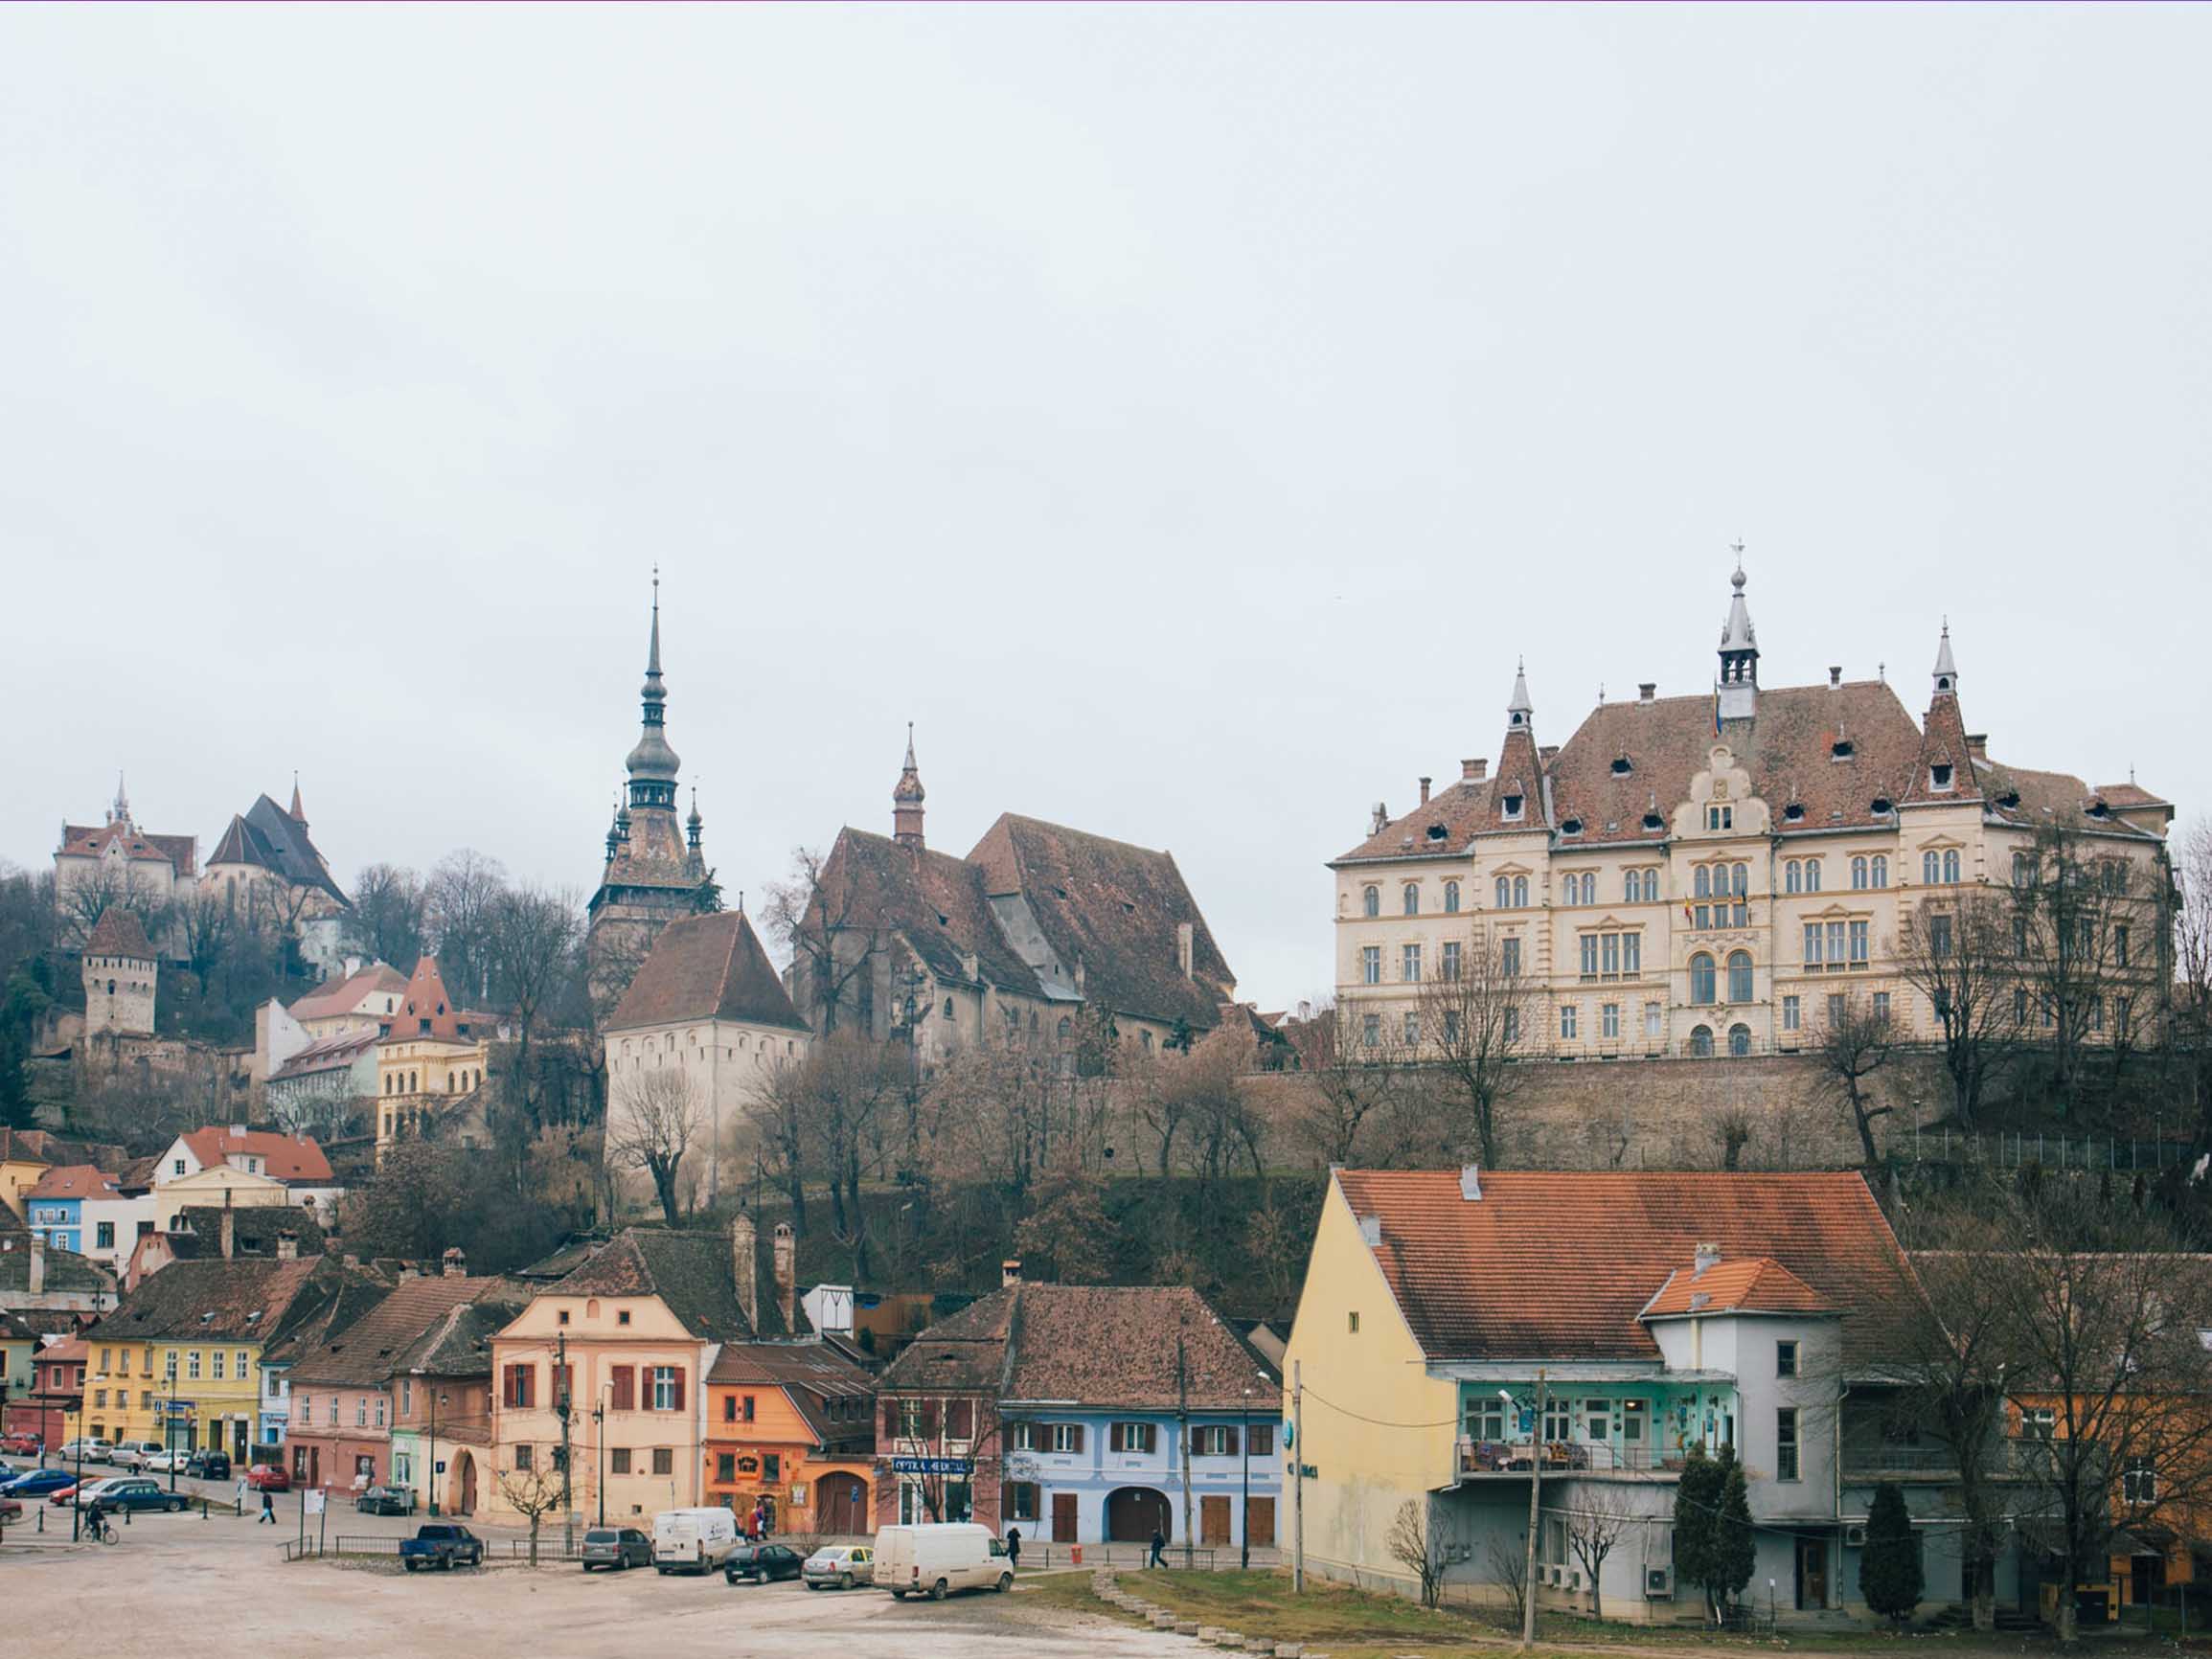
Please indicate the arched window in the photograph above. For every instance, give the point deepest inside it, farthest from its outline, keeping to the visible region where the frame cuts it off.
(1451, 898)
(1812, 876)
(1739, 1040)
(1412, 898)
(1520, 893)
(1504, 893)
(1632, 886)
(947, 1007)
(412, 1085)
(1066, 1028)
(1859, 875)
(1371, 901)
(1931, 869)
(1702, 883)
(1702, 978)
(1792, 877)
(1878, 871)
(1739, 976)
(1701, 1041)
(1951, 867)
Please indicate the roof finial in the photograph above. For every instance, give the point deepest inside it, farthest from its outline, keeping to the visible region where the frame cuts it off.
(299, 812)
(1519, 710)
(1945, 667)
(653, 659)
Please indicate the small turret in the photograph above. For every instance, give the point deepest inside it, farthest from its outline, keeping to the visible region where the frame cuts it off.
(694, 823)
(1737, 691)
(1520, 712)
(299, 813)
(906, 800)
(1946, 667)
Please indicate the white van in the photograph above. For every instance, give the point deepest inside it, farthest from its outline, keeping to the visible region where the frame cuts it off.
(939, 1557)
(693, 1540)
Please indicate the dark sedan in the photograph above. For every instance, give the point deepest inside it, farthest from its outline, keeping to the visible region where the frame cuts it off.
(131, 1492)
(763, 1562)
(616, 1547)
(387, 1500)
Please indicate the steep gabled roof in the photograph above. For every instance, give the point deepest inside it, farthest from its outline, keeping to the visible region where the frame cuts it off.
(119, 932)
(292, 1159)
(425, 1010)
(67, 1273)
(1559, 1267)
(692, 1273)
(344, 996)
(270, 839)
(74, 1181)
(936, 902)
(704, 967)
(91, 840)
(368, 1351)
(458, 1345)
(329, 1054)
(256, 1229)
(1115, 909)
(240, 1299)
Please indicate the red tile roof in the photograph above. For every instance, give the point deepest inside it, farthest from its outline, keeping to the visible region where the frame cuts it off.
(1759, 1285)
(1559, 1267)
(426, 1010)
(344, 996)
(91, 840)
(293, 1159)
(119, 932)
(75, 1181)
(704, 967)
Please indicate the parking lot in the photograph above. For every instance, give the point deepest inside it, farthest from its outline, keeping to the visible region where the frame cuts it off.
(183, 1587)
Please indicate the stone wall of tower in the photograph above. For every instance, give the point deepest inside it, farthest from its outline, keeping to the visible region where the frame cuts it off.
(119, 996)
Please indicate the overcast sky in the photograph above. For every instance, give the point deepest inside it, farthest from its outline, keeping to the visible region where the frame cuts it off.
(1184, 416)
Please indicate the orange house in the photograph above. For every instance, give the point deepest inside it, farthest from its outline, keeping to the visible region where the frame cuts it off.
(792, 1429)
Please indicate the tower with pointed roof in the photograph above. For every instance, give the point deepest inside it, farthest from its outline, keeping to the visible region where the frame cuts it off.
(906, 799)
(655, 868)
(1737, 691)
(115, 856)
(121, 975)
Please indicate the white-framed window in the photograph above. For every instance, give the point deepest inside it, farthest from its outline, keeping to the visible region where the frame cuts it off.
(1701, 881)
(191, 1365)
(2139, 1482)
(1786, 1443)
(1792, 877)
(1451, 962)
(1412, 898)
(1610, 1018)
(1878, 868)
(215, 1365)
(1701, 981)
(1371, 964)
(664, 1388)
(1371, 901)
(1024, 1436)
(1858, 944)
(1739, 976)
(1451, 898)
(360, 1410)
(1504, 899)
(1652, 1016)
(1792, 1013)
(1812, 876)
(1509, 957)
(1786, 1358)
(1520, 893)
(1881, 1007)
(1719, 817)
(1589, 954)
(1409, 963)
(1371, 1030)
(1412, 1030)
(1568, 1020)
(1859, 873)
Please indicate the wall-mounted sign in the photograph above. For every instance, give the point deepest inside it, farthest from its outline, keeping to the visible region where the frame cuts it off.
(932, 1466)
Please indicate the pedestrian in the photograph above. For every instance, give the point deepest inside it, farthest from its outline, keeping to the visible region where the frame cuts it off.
(241, 1493)
(1159, 1554)
(268, 1509)
(1013, 1548)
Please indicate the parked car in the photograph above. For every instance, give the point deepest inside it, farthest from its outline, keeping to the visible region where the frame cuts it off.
(132, 1454)
(67, 1493)
(269, 1478)
(22, 1442)
(10, 1509)
(617, 1547)
(91, 1451)
(389, 1500)
(843, 1565)
(762, 1563)
(939, 1557)
(130, 1492)
(695, 1540)
(208, 1466)
(38, 1484)
(162, 1462)
(441, 1544)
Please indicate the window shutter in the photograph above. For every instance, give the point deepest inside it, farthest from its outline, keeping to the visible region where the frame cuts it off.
(1230, 1435)
(1198, 1441)
(1075, 1437)
(959, 1419)
(1263, 1443)
(930, 1420)
(890, 1419)
(679, 1388)
(625, 1388)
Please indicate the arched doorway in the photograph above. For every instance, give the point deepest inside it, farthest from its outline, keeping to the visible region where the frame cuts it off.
(1701, 1041)
(1739, 1040)
(463, 1484)
(841, 1505)
(1135, 1512)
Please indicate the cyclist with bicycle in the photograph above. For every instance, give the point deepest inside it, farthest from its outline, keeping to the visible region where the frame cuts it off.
(97, 1526)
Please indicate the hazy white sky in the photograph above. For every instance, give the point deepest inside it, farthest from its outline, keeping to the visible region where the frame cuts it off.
(1183, 416)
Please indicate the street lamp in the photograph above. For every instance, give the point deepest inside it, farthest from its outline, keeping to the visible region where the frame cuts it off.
(599, 1436)
(169, 1422)
(437, 1396)
(1245, 1448)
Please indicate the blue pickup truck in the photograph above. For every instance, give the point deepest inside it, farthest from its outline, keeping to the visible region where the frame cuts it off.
(442, 1545)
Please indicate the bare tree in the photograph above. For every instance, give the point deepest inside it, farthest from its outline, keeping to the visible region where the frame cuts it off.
(1508, 1566)
(461, 894)
(1349, 1084)
(1956, 948)
(533, 1493)
(816, 914)
(1852, 1046)
(2190, 1028)
(81, 901)
(1476, 1016)
(1598, 1521)
(388, 918)
(2084, 932)
(658, 1117)
(1421, 1539)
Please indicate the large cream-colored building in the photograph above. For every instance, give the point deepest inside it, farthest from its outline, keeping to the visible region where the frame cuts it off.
(1707, 873)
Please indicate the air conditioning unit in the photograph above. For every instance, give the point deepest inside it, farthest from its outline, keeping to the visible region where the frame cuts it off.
(1660, 1583)
(1855, 1535)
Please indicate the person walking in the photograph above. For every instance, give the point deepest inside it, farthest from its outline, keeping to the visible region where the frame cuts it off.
(268, 1509)
(1013, 1548)
(1159, 1554)
(241, 1493)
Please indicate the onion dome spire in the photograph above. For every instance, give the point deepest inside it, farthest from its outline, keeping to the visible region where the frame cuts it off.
(906, 799)
(653, 763)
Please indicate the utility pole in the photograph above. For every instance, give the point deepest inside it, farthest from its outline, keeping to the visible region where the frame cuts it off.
(560, 1389)
(433, 1392)
(1535, 1519)
(1244, 1464)
(1183, 1430)
(1298, 1477)
(599, 1434)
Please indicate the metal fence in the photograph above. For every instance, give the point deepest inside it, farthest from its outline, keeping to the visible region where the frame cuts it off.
(1187, 1556)
(2008, 1150)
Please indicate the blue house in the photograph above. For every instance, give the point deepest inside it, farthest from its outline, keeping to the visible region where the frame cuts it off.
(1084, 1414)
(54, 1207)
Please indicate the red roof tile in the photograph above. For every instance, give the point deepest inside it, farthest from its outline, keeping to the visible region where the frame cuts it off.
(288, 1158)
(426, 1010)
(119, 932)
(343, 996)
(706, 968)
(1760, 1285)
(75, 1181)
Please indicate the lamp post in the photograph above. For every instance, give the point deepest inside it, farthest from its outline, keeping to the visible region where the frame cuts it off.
(169, 1421)
(1245, 1448)
(436, 1396)
(599, 1438)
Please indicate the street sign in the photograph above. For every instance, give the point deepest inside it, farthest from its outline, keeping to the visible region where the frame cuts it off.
(932, 1466)
(441, 1467)
(315, 1501)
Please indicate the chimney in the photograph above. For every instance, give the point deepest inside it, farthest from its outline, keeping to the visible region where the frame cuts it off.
(1708, 1256)
(238, 1132)
(456, 1262)
(787, 1255)
(1079, 976)
(1473, 771)
(1186, 938)
(1381, 816)
(1425, 791)
(1647, 691)
(1835, 675)
(230, 1233)
(1010, 1272)
(1977, 745)
(746, 1265)
(287, 1246)
(36, 1281)
(1470, 1182)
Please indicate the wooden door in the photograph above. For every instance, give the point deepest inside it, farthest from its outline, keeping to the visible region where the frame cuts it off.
(1260, 1524)
(1812, 1573)
(1213, 1521)
(1064, 1523)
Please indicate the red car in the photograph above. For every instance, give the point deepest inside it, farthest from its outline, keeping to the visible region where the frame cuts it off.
(62, 1494)
(22, 1443)
(269, 1478)
(9, 1509)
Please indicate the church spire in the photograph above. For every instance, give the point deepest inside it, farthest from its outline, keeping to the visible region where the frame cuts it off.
(1946, 667)
(1518, 712)
(120, 812)
(1737, 690)
(906, 800)
(653, 763)
(299, 813)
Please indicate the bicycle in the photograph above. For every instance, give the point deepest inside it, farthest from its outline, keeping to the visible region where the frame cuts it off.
(101, 1528)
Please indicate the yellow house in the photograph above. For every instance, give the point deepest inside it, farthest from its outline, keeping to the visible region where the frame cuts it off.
(429, 1059)
(179, 1361)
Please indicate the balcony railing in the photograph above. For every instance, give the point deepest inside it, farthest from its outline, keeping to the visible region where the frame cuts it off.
(1515, 1457)
(2013, 1459)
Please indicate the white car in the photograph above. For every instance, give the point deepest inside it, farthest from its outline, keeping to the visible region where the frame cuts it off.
(132, 1454)
(843, 1565)
(91, 1451)
(162, 1462)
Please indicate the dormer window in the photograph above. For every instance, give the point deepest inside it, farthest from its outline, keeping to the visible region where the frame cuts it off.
(2010, 800)
(1572, 826)
(1623, 766)
(1841, 749)
(1793, 813)
(1939, 775)
(1653, 822)
(1438, 833)
(2098, 809)
(1512, 807)
(1881, 806)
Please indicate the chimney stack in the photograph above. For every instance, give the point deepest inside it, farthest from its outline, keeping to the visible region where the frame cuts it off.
(1186, 940)
(230, 1229)
(1708, 1256)
(36, 1281)
(1835, 675)
(456, 1262)
(787, 1255)
(1425, 791)
(287, 1246)
(1473, 771)
(1647, 691)
(1010, 1272)
(1977, 745)
(1381, 818)
(745, 1267)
